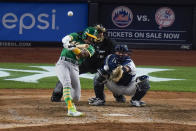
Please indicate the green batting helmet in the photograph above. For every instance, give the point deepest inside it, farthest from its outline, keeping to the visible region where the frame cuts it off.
(91, 32)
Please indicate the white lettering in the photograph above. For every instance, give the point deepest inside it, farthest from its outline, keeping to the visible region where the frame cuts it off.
(139, 17)
(171, 36)
(22, 26)
(119, 34)
(53, 18)
(142, 18)
(139, 35)
(154, 35)
(43, 21)
(5, 20)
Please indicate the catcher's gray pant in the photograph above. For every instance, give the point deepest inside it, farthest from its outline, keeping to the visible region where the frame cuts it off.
(122, 90)
(68, 74)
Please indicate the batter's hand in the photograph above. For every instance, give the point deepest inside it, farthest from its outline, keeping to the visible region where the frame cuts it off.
(81, 53)
(82, 46)
(84, 53)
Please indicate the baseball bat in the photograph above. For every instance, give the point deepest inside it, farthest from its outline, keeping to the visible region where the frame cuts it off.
(79, 46)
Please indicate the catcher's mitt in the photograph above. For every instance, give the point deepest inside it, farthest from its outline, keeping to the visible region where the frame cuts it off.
(116, 74)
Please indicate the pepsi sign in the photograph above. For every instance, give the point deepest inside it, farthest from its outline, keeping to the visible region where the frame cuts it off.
(41, 21)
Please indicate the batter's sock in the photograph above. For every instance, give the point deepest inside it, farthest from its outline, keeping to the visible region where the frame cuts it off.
(67, 98)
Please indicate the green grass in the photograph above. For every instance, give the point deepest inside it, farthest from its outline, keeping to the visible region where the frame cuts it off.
(187, 73)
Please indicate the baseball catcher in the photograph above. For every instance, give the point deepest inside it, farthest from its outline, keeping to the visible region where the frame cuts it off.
(76, 49)
(103, 47)
(119, 75)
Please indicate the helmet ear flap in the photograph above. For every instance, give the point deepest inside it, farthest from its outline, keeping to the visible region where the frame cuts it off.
(91, 32)
(84, 36)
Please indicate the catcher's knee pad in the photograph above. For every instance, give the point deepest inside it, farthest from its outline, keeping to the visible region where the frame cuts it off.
(142, 87)
(143, 83)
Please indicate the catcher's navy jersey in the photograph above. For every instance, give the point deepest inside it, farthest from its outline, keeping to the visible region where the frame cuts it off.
(112, 61)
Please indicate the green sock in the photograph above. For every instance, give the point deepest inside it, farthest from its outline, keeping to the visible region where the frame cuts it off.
(67, 97)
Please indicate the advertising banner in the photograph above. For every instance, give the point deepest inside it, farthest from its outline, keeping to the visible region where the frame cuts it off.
(40, 22)
(148, 24)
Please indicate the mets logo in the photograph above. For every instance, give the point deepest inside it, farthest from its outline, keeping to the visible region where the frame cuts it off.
(122, 16)
(164, 17)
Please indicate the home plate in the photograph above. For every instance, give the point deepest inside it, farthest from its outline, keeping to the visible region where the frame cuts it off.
(116, 115)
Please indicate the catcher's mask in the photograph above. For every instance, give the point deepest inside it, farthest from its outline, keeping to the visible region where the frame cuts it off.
(121, 51)
(121, 48)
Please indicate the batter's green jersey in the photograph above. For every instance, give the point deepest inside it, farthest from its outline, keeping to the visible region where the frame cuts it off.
(69, 54)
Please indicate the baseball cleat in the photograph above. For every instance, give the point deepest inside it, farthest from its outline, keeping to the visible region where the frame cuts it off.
(137, 103)
(73, 112)
(96, 102)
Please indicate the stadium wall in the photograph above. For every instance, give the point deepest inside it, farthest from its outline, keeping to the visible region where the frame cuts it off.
(141, 24)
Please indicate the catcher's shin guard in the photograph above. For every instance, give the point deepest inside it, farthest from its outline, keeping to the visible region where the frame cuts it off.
(141, 87)
(99, 86)
(57, 93)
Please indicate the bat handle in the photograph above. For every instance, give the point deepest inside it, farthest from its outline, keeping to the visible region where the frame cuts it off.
(70, 46)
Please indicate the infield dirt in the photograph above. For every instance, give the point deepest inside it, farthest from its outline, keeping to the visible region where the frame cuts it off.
(32, 110)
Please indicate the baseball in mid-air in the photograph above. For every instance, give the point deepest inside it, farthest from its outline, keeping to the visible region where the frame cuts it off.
(70, 13)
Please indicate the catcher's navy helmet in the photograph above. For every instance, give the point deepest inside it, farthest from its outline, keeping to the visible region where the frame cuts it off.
(121, 48)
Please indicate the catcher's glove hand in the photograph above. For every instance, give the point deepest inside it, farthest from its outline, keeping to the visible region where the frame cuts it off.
(116, 74)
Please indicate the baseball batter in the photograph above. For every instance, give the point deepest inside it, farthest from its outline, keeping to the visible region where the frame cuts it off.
(119, 75)
(103, 47)
(76, 49)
